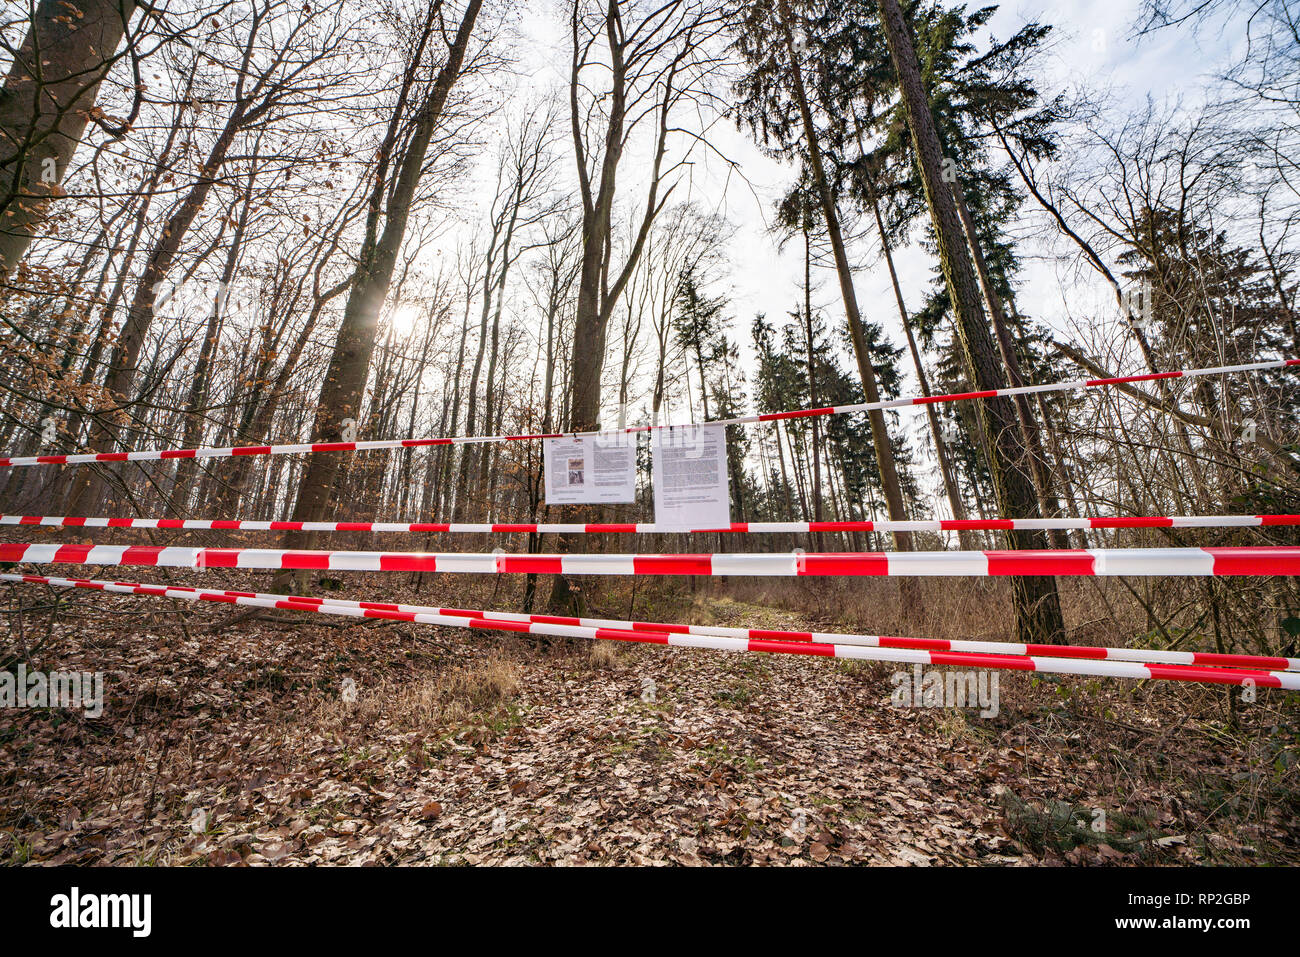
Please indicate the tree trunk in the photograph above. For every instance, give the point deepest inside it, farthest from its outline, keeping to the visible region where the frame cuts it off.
(596, 294)
(193, 434)
(812, 378)
(1036, 461)
(343, 390)
(1038, 608)
(946, 471)
(879, 437)
(45, 106)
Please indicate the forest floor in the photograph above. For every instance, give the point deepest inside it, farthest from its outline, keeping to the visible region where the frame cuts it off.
(230, 742)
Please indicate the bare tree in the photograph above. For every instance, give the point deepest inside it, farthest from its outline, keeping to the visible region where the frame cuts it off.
(658, 60)
(280, 58)
(524, 196)
(401, 163)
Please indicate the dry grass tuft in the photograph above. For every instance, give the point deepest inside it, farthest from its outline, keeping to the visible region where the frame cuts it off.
(603, 655)
(447, 699)
(480, 685)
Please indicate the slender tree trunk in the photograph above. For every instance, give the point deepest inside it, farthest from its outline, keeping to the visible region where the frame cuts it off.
(1036, 461)
(879, 436)
(946, 471)
(469, 451)
(491, 412)
(193, 434)
(812, 377)
(785, 474)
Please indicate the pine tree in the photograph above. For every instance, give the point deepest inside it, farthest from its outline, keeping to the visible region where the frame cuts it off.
(1037, 604)
(775, 102)
(698, 330)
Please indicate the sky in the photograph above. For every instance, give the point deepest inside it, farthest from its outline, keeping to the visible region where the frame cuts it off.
(1094, 45)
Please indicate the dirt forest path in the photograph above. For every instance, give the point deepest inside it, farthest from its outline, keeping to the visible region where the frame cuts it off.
(245, 745)
(688, 757)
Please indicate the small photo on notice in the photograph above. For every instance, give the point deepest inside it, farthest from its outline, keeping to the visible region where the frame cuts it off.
(576, 471)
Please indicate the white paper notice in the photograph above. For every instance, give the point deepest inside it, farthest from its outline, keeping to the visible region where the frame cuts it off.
(690, 476)
(590, 469)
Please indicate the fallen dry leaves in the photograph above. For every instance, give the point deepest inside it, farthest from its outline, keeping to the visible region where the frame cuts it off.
(237, 747)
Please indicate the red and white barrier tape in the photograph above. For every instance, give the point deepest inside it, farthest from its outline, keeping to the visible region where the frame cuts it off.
(1036, 663)
(1209, 659)
(578, 528)
(371, 444)
(1248, 560)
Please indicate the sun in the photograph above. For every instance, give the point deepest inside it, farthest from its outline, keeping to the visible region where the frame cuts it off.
(405, 317)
